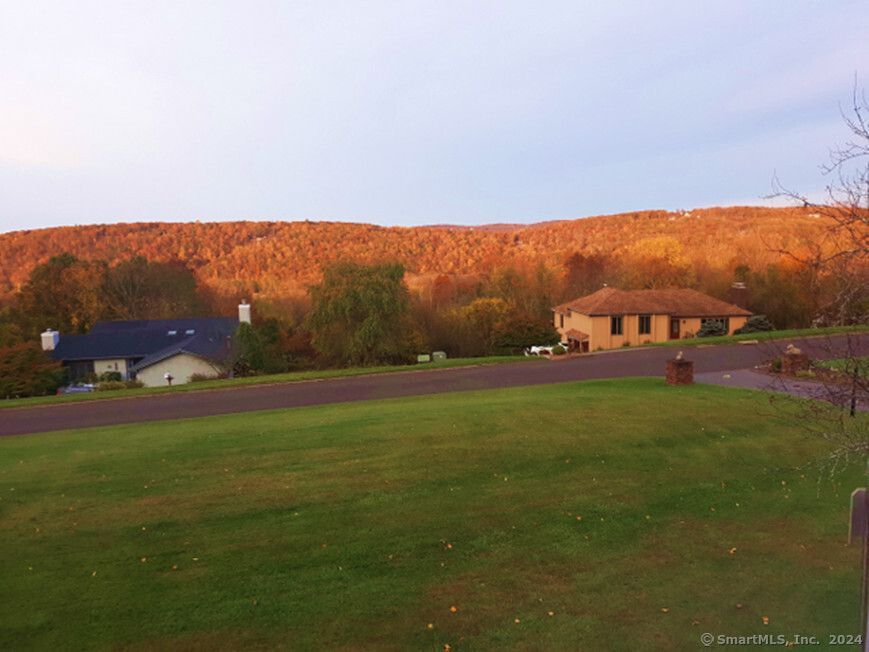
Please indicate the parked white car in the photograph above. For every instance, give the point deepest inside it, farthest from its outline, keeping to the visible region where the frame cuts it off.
(543, 350)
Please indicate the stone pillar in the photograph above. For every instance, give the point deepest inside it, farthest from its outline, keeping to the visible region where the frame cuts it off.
(794, 361)
(680, 372)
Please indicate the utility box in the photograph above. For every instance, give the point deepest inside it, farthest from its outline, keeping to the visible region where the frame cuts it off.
(439, 356)
(425, 357)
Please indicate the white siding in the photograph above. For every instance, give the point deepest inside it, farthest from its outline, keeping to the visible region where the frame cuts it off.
(111, 365)
(181, 366)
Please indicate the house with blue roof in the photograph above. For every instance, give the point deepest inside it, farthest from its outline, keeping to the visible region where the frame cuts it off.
(147, 350)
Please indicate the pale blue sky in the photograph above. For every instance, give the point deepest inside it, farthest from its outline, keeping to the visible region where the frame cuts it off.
(408, 113)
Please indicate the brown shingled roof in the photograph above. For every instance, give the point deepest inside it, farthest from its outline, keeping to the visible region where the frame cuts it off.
(679, 303)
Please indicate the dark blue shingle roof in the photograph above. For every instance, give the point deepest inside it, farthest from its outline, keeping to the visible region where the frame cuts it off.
(148, 339)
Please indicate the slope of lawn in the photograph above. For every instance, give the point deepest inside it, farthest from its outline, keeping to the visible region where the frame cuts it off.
(598, 515)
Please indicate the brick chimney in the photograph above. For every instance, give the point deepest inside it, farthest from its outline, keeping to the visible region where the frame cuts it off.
(50, 339)
(739, 295)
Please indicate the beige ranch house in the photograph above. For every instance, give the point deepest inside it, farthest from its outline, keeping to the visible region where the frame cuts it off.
(611, 318)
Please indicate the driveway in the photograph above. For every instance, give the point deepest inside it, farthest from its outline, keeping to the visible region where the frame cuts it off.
(711, 364)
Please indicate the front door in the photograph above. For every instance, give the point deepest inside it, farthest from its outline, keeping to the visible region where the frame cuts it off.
(674, 329)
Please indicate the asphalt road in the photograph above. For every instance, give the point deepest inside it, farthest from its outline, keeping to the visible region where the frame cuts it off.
(610, 364)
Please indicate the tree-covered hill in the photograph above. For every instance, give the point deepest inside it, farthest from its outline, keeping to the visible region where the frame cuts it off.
(283, 258)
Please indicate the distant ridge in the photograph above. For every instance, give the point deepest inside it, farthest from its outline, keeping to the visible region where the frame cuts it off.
(283, 258)
(492, 228)
(487, 228)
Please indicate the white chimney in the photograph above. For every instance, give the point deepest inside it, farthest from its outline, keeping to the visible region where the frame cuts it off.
(50, 339)
(244, 312)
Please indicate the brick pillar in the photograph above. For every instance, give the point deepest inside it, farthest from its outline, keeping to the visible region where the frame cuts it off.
(680, 372)
(794, 361)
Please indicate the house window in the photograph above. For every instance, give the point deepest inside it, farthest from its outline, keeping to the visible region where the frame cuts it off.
(645, 325)
(172, 333)
(189, 331)
(615, 325)
(561, 317)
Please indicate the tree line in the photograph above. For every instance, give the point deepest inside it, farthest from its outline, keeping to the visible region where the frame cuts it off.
(375, 313)
(284, 258)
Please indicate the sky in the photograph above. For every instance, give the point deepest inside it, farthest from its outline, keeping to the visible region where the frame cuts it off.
(404, 112)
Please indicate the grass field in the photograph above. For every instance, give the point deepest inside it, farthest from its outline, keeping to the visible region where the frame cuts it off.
(846, 364)
(609, 515)
(765, 336)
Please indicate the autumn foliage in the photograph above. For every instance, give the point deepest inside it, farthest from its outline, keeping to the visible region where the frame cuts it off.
(284, 258)
(26, 370)
(467, 291)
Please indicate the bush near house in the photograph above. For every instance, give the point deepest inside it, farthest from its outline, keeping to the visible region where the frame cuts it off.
(712, 328)
(112, 385)
(755, 324)
(199, 378)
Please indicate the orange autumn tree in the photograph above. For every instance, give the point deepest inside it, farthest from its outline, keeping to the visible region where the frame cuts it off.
(656, 263)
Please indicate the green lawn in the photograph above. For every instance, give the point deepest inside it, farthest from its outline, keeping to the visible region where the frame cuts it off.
(764, 336)
(846, 364)
(623, 515)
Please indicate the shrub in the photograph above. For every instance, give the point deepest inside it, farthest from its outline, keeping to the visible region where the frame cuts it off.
(558, 350)
(775, 364)
(110, 376)
(198, 378)
(110, 385)
(712, 328)
(90, 378)
(625, 344)
(755, 324)
(133, 384)
(805, 373)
